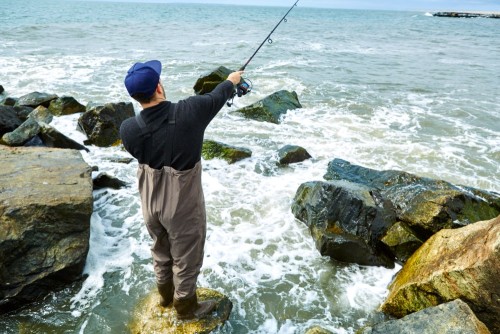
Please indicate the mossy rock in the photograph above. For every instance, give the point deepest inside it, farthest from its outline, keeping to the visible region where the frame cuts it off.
(318, 330)
(290, 154)
(150, 317)
(207, 83)
(272, 107)
(65, 105)
(212, 149)
(401, 241)
(36, 99)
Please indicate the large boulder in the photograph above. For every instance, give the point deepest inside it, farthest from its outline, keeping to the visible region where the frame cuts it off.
(45, 209)
(102, 123)
(454, 263)
(66, 105)
(150, 317)
(207, 83)
(213, 149)
(401, 241)
(9, 120)
(36, 99)
(346, 220)
(273, 107)
(450, 318)
(41, 114)
(425, 205)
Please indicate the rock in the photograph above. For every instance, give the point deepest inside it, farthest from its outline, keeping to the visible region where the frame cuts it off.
(460, 263)
(425, 205)
(449, 318)
(212, 149)
(9, 121)
(493, 15)
(65, 105)
(45, 209)
(41, 114)
(22, 134)
(104, 180)
(9, 101)
(102, 123)
(272, 107)
(317, 330)
(346, 220)
(150, 317)
(1, 89)
(35, 99)
(23, 112)
(401, 241)
(53, 138)
(207, 83)
(290, 154)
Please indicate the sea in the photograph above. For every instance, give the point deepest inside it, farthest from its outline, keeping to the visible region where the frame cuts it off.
(382, 89)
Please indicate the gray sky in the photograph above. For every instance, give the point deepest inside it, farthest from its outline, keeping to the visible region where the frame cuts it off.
(478, 5)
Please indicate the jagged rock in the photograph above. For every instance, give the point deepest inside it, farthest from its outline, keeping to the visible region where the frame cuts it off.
(66, 105)
(41, 114)
(454, 263)
(22, 134)
(1, 89)
(209, 81)
(272, 107)
(150, 317)
(102, 123)
(9, 101)
(317, 330)
(9, 121)
(212, 149)
(53, 138)
(401, 241)
(45, 209)
(104, 180)
(425, 205)
(36, 99)
(290, 154)
(346, 220)
(449, 318)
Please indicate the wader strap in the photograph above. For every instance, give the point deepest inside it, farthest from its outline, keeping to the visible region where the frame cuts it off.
(169, 152)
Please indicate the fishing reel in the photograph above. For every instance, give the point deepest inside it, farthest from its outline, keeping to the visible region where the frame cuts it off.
(243, 88)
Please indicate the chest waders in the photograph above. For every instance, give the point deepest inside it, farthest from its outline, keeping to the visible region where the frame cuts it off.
(173, 207)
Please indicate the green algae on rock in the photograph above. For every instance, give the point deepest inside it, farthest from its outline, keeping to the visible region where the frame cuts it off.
(213, 149)
(272, 107)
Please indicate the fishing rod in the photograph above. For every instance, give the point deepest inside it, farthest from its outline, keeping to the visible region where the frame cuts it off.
(243, 87)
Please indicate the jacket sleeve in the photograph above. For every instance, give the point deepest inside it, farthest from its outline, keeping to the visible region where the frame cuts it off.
(205, 107)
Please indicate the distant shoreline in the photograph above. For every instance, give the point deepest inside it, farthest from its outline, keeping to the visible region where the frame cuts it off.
(468, 14)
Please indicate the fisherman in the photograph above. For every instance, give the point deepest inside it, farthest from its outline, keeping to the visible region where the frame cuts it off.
(166, 138)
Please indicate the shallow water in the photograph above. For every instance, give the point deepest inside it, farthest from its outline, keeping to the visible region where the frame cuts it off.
(386, 90)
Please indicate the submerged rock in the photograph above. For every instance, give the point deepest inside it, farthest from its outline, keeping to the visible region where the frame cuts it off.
(45, 205)
(212, 149)
(150, 317)
(346, 220)
(102, 123)
(449, 318)
(290, 154)
(36, 99)
(104, 180)
(207, 83)
(272, 107)
(65, 105)
(460, 263)
(318, 330)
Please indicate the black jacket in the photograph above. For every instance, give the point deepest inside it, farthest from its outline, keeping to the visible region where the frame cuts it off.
(192, 118)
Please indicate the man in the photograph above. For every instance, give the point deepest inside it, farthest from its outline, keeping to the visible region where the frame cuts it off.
(166, 138)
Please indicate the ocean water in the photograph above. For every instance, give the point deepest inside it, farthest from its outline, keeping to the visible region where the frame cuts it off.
(382, 89)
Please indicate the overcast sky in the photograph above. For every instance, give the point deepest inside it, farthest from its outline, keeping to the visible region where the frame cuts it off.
(483, 5)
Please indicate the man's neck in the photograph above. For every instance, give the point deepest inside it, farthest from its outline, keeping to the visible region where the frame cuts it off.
(152, 103)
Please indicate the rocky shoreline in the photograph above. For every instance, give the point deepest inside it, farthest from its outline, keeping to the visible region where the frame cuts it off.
(446, 236)
(467, 14)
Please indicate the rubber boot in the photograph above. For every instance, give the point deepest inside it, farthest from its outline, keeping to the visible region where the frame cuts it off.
(166, 291)
(189, 308)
